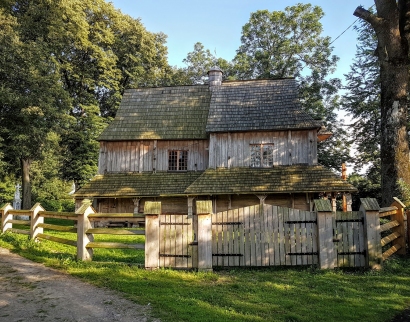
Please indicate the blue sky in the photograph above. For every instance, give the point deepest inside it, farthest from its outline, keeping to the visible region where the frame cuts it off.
(218, 24)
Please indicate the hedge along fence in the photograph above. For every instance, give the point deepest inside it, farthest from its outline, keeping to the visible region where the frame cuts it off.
(349, 239)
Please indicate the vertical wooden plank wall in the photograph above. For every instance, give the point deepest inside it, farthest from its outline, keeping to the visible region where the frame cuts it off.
(232, 149)
(140, 156)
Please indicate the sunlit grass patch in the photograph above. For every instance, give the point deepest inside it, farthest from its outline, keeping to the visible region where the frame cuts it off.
(268, 294)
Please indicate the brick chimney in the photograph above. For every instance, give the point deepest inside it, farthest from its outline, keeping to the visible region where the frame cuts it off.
(215, 76)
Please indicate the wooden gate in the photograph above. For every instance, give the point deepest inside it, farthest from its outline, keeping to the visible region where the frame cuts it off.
(349, 241)
(264, 236)
(175, 237)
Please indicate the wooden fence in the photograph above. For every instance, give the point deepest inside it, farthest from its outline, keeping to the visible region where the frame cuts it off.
(260, 235)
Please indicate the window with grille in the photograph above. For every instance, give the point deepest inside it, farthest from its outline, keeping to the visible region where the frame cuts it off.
(261, 155)
(177, 160)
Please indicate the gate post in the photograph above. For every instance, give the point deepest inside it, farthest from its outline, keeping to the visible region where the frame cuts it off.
(399, 216)
(372, 232)
(152, 210)
(83, 224)
(326, 247)
(204, 213)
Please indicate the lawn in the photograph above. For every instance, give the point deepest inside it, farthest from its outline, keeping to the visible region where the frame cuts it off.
(272, 294)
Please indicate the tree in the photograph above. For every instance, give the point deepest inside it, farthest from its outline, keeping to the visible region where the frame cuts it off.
(391, 23)
(198, 62)
(362, 102)
(283, 43)
(80, 56)
(289, 43)
(31, 97)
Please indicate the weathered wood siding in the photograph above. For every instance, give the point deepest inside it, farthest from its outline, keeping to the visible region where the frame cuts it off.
(141, 156)
(290, 147)
(173, 205)
(298, 201)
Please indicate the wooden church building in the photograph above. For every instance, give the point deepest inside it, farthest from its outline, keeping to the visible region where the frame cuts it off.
(237, 143)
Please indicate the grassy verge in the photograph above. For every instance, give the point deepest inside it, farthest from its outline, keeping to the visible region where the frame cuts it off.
(273, 294)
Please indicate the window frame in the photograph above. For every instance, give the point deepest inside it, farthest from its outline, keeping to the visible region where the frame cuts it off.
(177, 160)
(261, 155)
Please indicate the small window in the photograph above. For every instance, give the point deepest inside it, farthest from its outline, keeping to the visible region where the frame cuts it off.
(177, 160)
(261, 155)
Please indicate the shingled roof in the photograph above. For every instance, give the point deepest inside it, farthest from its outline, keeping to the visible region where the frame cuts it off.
(189, 112)
(120, 185)
(168, 113)
(281, 179)
(257, 105)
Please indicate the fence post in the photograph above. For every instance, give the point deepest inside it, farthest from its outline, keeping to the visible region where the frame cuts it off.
(326, 247)
(372, 232)
(36, 219)
(204, 213)
(399, 216)
(152, 210)
(5, 217)
(83, 224)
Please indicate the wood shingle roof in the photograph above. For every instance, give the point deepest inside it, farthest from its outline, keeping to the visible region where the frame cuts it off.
(149, 184)
(167, 113)
(257, 105)
(190, 112)
(280, 179)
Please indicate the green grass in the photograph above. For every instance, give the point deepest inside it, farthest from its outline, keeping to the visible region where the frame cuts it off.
(272, 294)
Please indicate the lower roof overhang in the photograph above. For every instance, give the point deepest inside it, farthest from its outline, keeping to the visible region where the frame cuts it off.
(220, 181)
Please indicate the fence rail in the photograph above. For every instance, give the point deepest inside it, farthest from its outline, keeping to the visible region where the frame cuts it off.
(260, 235)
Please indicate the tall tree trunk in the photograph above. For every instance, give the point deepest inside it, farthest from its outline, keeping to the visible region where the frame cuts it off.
(26, 185)
(392, 52)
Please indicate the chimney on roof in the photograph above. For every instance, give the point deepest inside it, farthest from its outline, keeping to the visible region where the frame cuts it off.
(215, 76)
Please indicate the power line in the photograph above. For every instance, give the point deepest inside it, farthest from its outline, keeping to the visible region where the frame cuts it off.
(347, 28)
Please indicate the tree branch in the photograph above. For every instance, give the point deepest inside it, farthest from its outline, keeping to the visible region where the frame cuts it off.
(366, 15)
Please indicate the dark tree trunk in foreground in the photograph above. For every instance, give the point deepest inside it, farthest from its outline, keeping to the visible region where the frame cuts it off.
(26, 185)
(392, 28)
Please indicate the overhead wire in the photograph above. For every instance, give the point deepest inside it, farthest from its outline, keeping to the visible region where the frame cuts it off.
(347, 28)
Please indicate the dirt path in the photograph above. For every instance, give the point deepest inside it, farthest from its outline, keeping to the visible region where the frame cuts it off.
(32, 292)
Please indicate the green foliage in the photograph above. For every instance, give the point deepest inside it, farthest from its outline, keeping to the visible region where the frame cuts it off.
(7, 189)
(283, 43)
(404, 189)
(362, 100)
(368, 186)
(198, 63)
(289, 44)
(64, 66)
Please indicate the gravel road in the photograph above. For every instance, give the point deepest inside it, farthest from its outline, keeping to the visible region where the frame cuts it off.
(32, 292)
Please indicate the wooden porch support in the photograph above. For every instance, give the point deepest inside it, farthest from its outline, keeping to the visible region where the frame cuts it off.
(83, 224)
(35, 221)
(136, 202)
(325, 219)
(399, 216)
(372, 232)
(204, 212)
(6, 217)
(152, 210)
